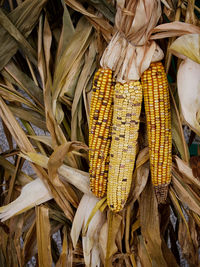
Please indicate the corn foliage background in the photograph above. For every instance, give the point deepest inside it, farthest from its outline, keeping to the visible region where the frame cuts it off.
(49, 53)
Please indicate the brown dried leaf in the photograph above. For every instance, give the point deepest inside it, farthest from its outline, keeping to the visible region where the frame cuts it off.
(114, 222)
(60, 193)
(171, 29)
(187, 246)
(76, 177)
(142, 253)
(19, 220)
(141, 173)
(168, 255)
(30, 243)
(150, 226)
(43, 236)
(22, 178)
(63, 259)
(186, 171)
(98, 22)
(85, 75)
(24, 17)
(186, 194)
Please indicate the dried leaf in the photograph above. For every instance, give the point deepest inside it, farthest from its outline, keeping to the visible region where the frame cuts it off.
(187, 45)
(142, 253)
(177, 131)
(85, 75)
(18, 232)
(171, 29)
(150, 226)
(18, 36)
(186, 245)
(187, 172)
(63, 256)
(74, 50)
(185, 194)
(188, 80)
(29, 248)
(22, 178)
(13, 74)
(98, 22)
(43, 236)
(141, 173)
(24, 17)
(66, 33)
(29, 115)
(114, 222)
(32, 194)
(79, 219)
(76, 177)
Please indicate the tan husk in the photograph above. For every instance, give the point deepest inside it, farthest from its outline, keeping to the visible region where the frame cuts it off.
(129, 53)
(187, 46)
(132, 47)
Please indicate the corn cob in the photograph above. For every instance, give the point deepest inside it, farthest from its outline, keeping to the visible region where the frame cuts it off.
(157, 108)
(127, 107)
(101, 112)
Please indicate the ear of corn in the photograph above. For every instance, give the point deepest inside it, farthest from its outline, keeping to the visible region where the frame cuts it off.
(127, 107)
(157, 108)
(101, 112)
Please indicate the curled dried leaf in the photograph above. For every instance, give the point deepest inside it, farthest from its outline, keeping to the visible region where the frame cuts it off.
(187, 46)
(32, 194)
(188, 80)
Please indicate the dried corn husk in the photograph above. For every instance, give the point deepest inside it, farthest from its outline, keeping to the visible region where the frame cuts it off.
(132, 47)
(129, 53)
(90, 239)
(188, 78)
(32, 194)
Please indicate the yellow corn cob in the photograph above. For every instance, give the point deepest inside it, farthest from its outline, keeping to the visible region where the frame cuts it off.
(157, 108)
(101, 112)
(127, 107)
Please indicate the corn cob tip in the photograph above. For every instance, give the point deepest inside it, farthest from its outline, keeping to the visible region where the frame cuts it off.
(161, 192)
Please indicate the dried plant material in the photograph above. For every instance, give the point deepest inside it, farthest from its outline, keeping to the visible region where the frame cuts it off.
(43, 236)
(186, 194)
(13, 95)
(114, 222)
(188, 80)
(98, 22)
(14, 75)
(44, 56)
(22, 178)
(18, 36)
(76, 177)
(187, 46)
(85, 75)
(178, 209)
(187, 245)
(45, 139)
(144, 259)
(90, 239)
(141, 173)
(72, 54)
(150, 226)
(188, 172)
(32, 116)
(128, 53)
(32, 194)
(63, 259)
(195, 166)
(177, 131)
(24, 17)
(30, 241)
(171, 29)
